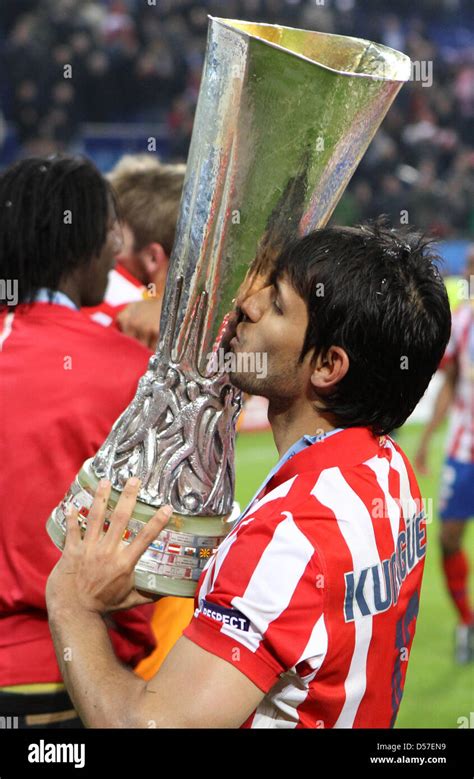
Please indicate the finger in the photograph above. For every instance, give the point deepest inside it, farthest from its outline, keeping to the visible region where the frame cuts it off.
(126, 325)
(134, 332)
(73, 533)
(141, 335)
(152, 340)
(122, 322)
(147, 597)
(123, 511)
(141, 597)
(137, 598)
(96, 516)
(147, 535)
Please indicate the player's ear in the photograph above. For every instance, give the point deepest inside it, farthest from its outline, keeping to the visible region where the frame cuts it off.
(329, 368)
(154, 261)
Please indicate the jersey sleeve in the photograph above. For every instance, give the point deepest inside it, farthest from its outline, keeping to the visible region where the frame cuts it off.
(265, 599)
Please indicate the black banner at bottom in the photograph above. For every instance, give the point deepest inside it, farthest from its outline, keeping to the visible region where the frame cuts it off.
(42, 752)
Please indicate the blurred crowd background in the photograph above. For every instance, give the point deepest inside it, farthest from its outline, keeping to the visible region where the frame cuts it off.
(137, 63)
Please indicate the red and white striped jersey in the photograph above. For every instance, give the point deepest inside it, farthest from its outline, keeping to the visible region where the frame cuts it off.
(315, 592)
(460, 441)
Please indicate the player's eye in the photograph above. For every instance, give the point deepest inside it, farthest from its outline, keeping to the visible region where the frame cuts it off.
(276, 306)
(274, 295)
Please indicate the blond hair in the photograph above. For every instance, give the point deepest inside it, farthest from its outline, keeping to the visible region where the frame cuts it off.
(148, 194)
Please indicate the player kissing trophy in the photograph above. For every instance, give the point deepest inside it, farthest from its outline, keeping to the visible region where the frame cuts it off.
(282, 121)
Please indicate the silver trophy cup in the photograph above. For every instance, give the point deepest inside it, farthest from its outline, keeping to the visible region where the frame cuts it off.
(283, 119)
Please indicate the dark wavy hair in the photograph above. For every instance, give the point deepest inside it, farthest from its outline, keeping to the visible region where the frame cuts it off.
(38, 245)
(377, 293)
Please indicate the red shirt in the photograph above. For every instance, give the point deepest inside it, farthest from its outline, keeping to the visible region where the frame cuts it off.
(314, 594)
(64, 381)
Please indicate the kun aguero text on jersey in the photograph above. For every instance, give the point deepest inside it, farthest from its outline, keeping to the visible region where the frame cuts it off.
(364, 587)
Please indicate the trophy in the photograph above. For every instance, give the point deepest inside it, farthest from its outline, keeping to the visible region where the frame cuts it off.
(282, 121)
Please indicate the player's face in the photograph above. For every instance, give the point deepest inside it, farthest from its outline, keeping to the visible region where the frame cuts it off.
(273, 328)
(100, 266)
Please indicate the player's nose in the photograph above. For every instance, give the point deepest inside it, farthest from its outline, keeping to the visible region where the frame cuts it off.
(255, 304)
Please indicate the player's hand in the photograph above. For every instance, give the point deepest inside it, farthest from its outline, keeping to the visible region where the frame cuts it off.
(141, 320)
(96, 573)
(421, 460)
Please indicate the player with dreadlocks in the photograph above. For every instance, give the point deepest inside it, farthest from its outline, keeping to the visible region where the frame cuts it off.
(58, 240)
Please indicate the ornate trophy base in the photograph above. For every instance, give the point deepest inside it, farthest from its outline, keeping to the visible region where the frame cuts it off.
(173, 563)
